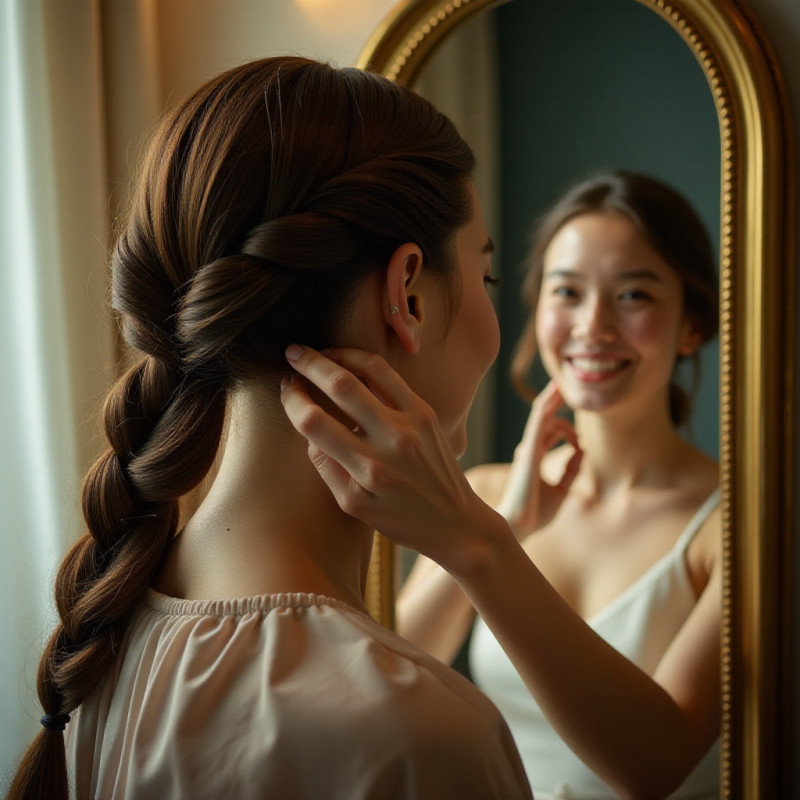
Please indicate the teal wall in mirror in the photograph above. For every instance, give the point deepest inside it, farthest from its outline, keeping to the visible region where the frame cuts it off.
(584, 86)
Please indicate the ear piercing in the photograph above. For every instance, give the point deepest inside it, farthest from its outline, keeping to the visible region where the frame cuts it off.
(394, 310)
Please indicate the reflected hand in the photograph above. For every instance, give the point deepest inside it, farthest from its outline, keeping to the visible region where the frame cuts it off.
(529, 502)
(394, 470)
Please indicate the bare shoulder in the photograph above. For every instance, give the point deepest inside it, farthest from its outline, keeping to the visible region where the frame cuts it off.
(488, 481)
(706, 547)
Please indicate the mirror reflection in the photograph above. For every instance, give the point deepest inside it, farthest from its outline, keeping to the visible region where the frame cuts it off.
(551, 94)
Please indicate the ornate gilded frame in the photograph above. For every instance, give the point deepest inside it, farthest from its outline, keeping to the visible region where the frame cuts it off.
(756, 359)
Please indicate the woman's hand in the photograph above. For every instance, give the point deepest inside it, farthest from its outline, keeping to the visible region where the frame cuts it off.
(529, 502)
(391, 465)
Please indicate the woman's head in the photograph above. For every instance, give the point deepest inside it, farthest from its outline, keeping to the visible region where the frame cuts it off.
(628, 218)
(263, 202)
(266, 198)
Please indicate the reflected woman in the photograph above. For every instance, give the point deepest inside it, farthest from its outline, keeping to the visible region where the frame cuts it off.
(599, 626)
(622, 285)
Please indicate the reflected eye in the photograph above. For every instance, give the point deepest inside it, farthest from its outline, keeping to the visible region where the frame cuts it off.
(636, 295)
(564, 292)
(490, 280)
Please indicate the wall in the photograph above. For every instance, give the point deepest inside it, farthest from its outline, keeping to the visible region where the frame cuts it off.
(157, 51)
(200, 38)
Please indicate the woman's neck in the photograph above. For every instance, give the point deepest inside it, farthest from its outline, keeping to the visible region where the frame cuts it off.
(269, 524)
(624, 451)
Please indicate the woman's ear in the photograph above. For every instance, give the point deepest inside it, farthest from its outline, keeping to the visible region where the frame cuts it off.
(403, 311)
(691, 338)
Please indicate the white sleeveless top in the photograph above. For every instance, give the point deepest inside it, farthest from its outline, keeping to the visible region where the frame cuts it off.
(285, 696)
(640, 623)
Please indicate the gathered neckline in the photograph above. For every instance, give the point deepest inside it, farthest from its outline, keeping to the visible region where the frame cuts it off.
(241, 606)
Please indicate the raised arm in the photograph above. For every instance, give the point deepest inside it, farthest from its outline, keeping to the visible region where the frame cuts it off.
(396, 473)
(432, 609)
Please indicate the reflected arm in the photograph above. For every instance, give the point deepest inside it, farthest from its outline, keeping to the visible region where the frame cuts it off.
(432, 610)
(642, 736)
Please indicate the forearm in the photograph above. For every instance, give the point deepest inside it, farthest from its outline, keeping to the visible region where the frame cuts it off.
(622, 723)
(433, 611)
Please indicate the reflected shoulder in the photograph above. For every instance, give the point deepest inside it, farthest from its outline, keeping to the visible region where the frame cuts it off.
(707, 544)
(488, 481)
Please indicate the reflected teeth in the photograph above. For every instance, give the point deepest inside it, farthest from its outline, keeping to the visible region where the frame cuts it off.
(596, 364)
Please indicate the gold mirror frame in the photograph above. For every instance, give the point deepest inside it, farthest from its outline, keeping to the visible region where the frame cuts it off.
(756, 360)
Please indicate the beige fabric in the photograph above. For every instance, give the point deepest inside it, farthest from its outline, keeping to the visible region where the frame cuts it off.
(283, 696)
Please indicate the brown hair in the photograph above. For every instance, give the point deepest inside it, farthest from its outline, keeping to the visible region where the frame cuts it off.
(673, 229)
(264, 200)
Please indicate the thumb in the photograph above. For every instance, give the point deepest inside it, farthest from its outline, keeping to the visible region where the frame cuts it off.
(336, 477)
(570, 471)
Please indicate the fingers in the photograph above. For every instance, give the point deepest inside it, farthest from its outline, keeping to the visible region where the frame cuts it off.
(559, 430)
(340, 385)
(544, 429)
(570, 471)
(320, 429)
(547, 403)
(341, 484)
(550, 398)
(353, 462)
(378, 374)
(361, 384)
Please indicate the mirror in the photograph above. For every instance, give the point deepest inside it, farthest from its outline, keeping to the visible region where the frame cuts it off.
(755, 416)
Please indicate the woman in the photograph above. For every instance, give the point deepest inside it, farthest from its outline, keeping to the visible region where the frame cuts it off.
(236, 659)
(599, 637)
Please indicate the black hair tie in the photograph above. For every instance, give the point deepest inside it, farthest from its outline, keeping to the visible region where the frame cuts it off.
(55, 722)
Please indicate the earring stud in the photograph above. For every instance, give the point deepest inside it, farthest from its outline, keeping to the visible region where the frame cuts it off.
(394, 310)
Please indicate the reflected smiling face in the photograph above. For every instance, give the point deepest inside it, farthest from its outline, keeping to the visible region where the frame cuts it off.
(610, 319)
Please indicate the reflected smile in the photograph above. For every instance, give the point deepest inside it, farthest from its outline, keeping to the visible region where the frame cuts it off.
(596, 367)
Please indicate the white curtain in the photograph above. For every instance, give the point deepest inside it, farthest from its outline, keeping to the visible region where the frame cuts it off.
(56, 344)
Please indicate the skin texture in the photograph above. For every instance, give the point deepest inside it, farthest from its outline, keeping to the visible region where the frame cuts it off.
(586, 519)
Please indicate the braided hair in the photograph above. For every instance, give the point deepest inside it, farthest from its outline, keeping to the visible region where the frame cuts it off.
(263, 202)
